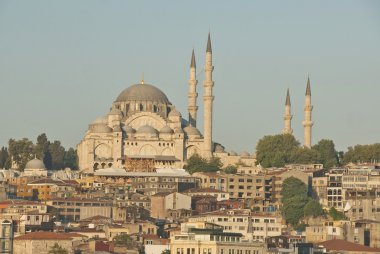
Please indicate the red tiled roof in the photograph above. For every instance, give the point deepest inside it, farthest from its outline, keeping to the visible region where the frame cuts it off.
(202, 190)
(342, 245)
(100, 246)
(48, 236)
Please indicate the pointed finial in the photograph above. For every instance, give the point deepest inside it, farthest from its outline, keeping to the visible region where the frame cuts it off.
(142, 79)
(193, 65)
(208, 49)
(287, 102)
(308, 90)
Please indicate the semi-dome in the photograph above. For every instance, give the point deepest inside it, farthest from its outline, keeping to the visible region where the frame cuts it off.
(174, 113)
(166, 130)
(245, 154)
(233, 153)
(100, 120)
(192, 131)
(117, 128)
(146, 129)
(35, 164)
(100, 128)
(128, 129)
(142, 92)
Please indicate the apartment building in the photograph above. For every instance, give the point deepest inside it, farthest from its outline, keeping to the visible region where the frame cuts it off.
(148, 183)
(258, 189)
(363, 204)
(73, 209)
(254, 226)
(209, 238)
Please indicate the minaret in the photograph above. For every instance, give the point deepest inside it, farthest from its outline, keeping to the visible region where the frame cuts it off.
(192, 96)
(288, 116)
(208, 99)
(307, 123)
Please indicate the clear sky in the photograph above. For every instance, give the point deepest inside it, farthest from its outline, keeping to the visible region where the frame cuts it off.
(63, 63)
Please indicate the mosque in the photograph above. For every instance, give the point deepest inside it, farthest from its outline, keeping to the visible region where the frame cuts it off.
(144, 131)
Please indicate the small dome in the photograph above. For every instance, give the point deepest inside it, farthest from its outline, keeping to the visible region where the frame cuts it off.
(128, 129)
(245, 154)
(166, 130)
(146, 129)
(100, 128)
(101, 119)
(115, 111)
(174, 113)
(233, 153)
(178, 130)
(117, 128)
(35, 164)
(142, 92)
(192, 131)
(219, 148)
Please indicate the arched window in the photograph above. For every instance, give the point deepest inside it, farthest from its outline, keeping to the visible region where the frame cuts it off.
(126, 108)
(141, 107)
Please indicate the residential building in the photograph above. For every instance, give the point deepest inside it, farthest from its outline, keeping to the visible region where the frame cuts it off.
(209, 238)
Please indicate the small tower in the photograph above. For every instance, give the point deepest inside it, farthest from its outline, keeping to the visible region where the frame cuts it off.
(208, 99)
(193, 95)
(307, 122)
(288, 116)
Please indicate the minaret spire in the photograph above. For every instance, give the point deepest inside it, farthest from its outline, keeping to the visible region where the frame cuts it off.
(308, 90)
(208, 49)
(208, 99)
(307, 123)
(192, 96)
(288, 115)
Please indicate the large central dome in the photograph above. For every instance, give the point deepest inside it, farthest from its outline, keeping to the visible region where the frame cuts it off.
(142, 92)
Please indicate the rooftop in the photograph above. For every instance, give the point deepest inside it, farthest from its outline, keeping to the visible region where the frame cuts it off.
(342, 245)
(48, 236)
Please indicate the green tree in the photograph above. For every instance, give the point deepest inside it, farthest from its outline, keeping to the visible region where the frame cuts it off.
(328, 156)
(294, 199)
(70, 159)
(42, 150)
(123, 240)
(57, 152)
(56, 249)
(230, 169)
(21, 151)
(196, 163)
(293, 187)
(165, 251)
(293, 209)
(362, 153)
(277, 150)
(42, 145)
(4, 158)
(305, 155)
(336, 215)
(313, 208)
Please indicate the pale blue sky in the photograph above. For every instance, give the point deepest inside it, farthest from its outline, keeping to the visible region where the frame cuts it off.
(62, 63)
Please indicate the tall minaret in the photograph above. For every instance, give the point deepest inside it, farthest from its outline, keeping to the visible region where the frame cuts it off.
(208, 99)
(288, 116)
(307, 123)
(192, 96)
